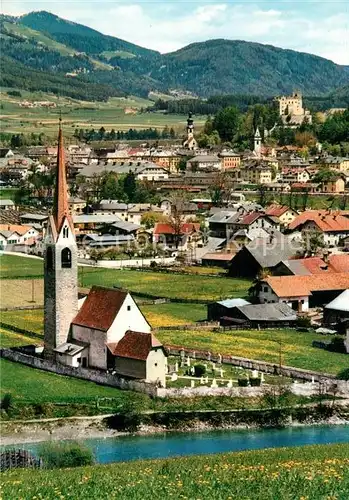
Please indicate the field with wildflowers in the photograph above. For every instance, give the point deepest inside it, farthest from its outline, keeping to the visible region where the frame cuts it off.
(296, 347)
(304, 473)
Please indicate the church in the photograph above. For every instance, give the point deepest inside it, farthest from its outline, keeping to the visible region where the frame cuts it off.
(106, 330)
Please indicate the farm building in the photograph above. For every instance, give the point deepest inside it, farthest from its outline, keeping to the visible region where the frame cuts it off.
(217, 310)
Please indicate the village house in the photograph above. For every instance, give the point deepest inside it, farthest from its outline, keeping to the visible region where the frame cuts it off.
(188, 235)
(337, 311)
(131, 212)
(15, 234)
(229, 159)
(302, 292)
(90, 223)
(6, 204)
(256, 173)
(335, 185)
(76, 205)
(291, 175)
(263, 254)
(337, 163)
(336, 263)
(169, 160)
(204, 163)
(283, 213)
(331, 224)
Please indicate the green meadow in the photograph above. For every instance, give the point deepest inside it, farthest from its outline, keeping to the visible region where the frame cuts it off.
(300, 473)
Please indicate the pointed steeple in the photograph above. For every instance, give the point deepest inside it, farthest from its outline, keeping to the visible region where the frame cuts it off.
(60, 202)
(257, 134)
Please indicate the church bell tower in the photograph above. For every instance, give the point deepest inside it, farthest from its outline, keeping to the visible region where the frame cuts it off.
(60, 263)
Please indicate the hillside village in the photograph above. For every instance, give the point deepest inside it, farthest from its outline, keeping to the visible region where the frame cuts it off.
(296, 256)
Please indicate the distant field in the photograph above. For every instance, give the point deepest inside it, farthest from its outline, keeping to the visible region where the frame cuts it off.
(263, 345)
(170, 285)
(303, 473)
(82, 114)
(316, 202)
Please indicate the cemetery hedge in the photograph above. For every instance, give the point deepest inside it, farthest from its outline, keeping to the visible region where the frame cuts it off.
(310, 472)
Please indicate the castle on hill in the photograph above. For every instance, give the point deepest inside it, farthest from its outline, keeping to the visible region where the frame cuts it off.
(108, 332)
(291, 109)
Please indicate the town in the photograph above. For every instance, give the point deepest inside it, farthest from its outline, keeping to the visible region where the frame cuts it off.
(192, 279)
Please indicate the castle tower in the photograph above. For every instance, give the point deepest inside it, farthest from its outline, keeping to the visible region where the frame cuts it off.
(60, 263)
(257, 142)
(190, 141)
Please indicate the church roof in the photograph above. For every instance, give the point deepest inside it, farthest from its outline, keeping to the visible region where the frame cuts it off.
(60, 203)
(100, 308)
(135, 345)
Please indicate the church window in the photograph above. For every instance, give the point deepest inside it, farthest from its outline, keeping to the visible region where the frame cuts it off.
(129, 308)
(49, 258)
(65, 232)
(66, 258)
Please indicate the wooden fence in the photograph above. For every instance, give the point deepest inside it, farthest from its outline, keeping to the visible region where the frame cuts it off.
(15, 459)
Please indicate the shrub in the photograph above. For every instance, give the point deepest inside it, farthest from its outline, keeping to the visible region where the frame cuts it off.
(199, 370)
(6, 402)
(65, 454)
(337, 345)
(242, 382)
(304, 322)
(255, 382)
(344, 374)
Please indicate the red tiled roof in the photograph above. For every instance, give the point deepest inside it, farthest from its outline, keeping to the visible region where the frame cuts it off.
(19, 229)
(188, 227)
(339, 263)
(250, 218)
(302, 286)
(134, 345)
(100, 308)
(277, 210)
(325, 220)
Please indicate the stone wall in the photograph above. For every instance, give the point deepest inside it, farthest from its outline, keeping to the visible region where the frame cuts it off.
(99, 377)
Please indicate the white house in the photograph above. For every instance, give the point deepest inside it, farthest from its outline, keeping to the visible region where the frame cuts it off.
(104, 318)
(204, 162)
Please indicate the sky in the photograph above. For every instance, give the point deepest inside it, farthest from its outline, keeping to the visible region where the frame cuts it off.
(313, 26)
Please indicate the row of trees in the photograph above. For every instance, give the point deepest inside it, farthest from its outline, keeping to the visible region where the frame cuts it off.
(89, 135)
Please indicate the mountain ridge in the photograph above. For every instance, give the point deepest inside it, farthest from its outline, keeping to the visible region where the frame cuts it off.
(213, 67)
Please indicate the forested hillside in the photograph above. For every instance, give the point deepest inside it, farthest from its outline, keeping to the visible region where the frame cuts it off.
(45, 52)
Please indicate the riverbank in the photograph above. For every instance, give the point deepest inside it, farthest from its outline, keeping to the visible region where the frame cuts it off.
(106, 426)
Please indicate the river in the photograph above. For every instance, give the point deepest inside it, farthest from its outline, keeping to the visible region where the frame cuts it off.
(166, 445)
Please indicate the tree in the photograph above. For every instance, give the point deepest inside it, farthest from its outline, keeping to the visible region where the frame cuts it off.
(313, 241)
(221, 188)
(149, 219)
(226, 122)
(130, 186)
(177, 217)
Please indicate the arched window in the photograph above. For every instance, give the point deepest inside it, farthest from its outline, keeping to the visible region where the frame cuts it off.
(65, 232)
(66, 258)
(49, 259)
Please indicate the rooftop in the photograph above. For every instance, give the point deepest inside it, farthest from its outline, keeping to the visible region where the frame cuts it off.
(303, 286)
(135, 345)
(100, 308)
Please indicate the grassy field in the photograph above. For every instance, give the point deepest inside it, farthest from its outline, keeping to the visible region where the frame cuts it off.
(7, 193)
(35, 386)
(262, 345)
(165, 285)
(83, 114)
(12, 339)
(315, 202)
(303, 473)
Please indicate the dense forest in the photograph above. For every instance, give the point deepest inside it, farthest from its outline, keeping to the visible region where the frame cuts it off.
(44, 42)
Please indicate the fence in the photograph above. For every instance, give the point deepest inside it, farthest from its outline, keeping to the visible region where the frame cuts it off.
(14, 459)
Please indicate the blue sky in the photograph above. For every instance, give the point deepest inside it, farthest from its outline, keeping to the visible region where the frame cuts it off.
(318, 27)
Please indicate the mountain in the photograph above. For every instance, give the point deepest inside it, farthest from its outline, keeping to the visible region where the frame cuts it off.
(79, 59)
